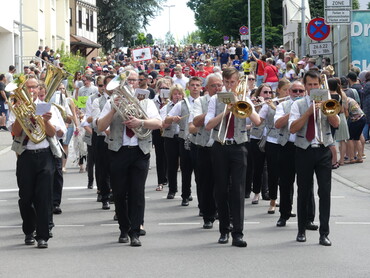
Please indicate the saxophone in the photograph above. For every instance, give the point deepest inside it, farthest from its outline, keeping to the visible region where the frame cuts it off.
(124, 102)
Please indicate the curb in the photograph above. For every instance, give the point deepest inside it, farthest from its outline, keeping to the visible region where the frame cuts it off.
(349, 183)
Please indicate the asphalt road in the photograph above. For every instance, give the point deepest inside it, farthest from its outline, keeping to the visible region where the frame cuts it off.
(85, 237)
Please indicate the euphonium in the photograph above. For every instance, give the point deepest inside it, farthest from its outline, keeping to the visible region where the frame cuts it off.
(124, 102)
(23, 107)
(330, 107)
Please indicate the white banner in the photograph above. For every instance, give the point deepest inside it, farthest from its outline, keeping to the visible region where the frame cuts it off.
(141, 54)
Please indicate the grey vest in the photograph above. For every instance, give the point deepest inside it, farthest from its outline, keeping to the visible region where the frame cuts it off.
(301, 140)
(257, 131)
(115, 137)
(284, 132)
(169, 132)
(203, 135)
(19, 148)
(271, 130)
(240, 129)
(184, 125)
(102, 102)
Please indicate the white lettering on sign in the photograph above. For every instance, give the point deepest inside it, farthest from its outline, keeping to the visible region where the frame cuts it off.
(357, 29)
(338, 3)
(364, 66)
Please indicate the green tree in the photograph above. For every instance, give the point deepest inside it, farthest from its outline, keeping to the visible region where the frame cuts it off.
(192, 38)
(124, 17)
(169, 39)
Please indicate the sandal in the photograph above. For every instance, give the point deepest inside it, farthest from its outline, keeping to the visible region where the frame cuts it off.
(335, 166)
(359, 160)
(159, 187)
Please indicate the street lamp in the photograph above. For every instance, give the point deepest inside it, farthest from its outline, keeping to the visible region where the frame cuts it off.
(169, 16)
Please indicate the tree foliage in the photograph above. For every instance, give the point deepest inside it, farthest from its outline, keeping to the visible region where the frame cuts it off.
(124, 17)
(217, 18)
(192, 38)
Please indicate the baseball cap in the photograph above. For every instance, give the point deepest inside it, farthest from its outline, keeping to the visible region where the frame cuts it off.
(98, 68)
(153, 74)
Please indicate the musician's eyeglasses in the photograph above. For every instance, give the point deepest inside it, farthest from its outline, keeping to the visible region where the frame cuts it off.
(164, 88)
(142, 79)
(132, 80)
(216, 85)
(267, 92)
(61, 89)
(298, 90)
(251, 79)
(101, 85)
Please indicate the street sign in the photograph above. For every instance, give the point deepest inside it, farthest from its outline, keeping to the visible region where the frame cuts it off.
(244, 37)
(338, 4)
(338, 16)
(320, 48)
(226, 39)
(243, 30)
(317, 30)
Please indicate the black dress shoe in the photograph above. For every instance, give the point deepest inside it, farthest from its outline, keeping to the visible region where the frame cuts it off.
(281, 222)
(135, 241)
(90, 185)
(266, 197)
(171, 195)
(115, 217)
(99, 198)
(224, 238)
(105, 205)
(324, 241)
(207, 225)
(142, 232)
(41, 243)
(190, 198)
(57, 210)
(185, 202)
(301, 237)
(123, 238)
(247, 195)
(50, 234)
(311, 226)
(239, 242)
(201, 214)
(29, 239)
(292, 214)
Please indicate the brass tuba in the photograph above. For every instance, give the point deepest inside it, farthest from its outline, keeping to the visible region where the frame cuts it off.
(241, 108)
(124, 102)
(23, 107)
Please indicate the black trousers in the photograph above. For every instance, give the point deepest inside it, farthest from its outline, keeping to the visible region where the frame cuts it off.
(206, 183)
(58, 182)
(35, 174)
(160, 157)
(230, 161)
(91, 159)
(258, 165)
(309, 162)
(249, 178)
(195, 165)
(286, 185)
(272, 159)
(102, 167)
(129, 170)
(172, 152)
(186, 169)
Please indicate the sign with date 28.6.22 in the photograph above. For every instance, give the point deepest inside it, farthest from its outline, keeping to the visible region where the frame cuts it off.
(320, 48)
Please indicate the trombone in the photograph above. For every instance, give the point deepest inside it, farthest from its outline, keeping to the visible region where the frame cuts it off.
(240, 109)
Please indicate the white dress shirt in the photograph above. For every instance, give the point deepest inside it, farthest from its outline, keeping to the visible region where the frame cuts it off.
(151, 112)
(280, 113)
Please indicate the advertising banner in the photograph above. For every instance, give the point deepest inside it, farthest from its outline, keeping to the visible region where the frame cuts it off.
(360, 39)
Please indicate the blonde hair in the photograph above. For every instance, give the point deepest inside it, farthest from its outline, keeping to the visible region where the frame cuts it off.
(179, 88)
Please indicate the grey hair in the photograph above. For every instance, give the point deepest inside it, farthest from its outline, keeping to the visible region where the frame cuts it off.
(212, 75)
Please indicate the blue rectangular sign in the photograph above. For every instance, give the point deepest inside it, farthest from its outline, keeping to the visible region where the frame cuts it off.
(360, 39)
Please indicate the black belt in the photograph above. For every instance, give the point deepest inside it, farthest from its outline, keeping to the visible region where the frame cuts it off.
(38, 150)
(316, 146)
(230, 142)
(130, 147)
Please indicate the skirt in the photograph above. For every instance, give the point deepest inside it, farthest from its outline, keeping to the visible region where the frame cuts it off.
(342, 133)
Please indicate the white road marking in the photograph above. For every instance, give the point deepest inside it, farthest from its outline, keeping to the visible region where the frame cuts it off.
(352, 223)
(3, 200)
(108, 225)
(80, 199)
(176, 224)
(69, 225)
(7, 227)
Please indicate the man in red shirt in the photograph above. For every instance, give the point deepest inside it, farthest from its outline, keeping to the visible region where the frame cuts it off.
(189, 65)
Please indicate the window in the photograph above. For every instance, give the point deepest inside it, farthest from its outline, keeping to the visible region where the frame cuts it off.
(87, 21)
(70, 16)
(80, 19)
(92, 22)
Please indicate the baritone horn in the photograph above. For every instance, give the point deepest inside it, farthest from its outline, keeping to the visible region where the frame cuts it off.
(22, 106)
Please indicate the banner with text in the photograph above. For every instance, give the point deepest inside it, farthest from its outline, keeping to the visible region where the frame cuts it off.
(360, 39)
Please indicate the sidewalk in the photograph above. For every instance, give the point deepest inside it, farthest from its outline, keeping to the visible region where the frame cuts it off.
(352, 175)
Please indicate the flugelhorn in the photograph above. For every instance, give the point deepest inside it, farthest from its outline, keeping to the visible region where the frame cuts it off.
(274, 99)
(22, 106)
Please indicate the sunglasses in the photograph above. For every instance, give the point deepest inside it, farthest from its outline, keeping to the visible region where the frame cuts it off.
(101, 85)
(298, 90)
(267, 92)
(141, 79)
(251, 79)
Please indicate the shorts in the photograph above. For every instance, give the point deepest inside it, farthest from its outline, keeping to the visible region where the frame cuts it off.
(69, 134)
(355, 128)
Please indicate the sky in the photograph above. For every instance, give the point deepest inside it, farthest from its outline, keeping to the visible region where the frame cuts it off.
(182, 21)
(363, 4)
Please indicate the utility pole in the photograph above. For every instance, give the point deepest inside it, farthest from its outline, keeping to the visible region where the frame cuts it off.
(263, 27)
(169, 16)
(249, 24)
(303, 29)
